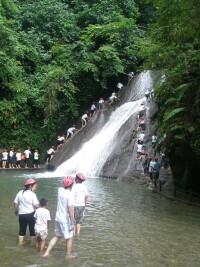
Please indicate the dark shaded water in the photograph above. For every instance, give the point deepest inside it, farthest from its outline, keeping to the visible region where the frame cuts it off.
(124, 225)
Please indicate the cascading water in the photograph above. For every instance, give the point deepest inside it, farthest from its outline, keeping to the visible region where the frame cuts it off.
(91, 158)
(94, 153)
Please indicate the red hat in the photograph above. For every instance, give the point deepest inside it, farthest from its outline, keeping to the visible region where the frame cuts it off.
(30, 181)
(80, 176)
(68, 180)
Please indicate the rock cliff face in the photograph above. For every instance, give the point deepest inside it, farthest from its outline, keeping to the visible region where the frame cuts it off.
(121, 162)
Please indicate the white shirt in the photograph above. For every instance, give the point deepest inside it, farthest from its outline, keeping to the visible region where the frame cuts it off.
(79, 192)
(36, 155)
(42, 216)
(139, 147)
(93, 107)
(101, 101)
(4, 155)
(84, 116)
(142, 107)
(153, 138)
(26, 200)
(119, 85)
(27, 153)
(151, 166)
(11, 153)
(65, 199)
(71, 130)
(18, 156)
(113, 97)
(50, 151)
(61, 138)
(141, 137)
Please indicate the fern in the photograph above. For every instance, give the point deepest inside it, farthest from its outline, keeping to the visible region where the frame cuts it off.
(170, 114)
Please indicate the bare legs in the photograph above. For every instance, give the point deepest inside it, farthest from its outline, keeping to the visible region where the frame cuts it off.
(40, 243)
(53, 242)
(69, 248)
(21, 240)
(77, 229)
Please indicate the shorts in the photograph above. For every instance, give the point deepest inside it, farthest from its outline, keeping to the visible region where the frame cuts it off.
(24, 221)
(63, 230)
(78, 214)
(27, 160)
(36, 161)
(41, 233)
(11, 160)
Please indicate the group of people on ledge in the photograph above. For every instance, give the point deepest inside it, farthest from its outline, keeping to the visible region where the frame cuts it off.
(20, 158)
(71, 203)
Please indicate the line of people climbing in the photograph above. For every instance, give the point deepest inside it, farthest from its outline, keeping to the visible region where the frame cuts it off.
(150, 163)
(61, 139)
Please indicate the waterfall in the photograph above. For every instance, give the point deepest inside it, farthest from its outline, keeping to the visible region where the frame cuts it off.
(93, 154)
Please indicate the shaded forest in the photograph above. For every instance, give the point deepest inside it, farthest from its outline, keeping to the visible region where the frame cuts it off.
(57, 56)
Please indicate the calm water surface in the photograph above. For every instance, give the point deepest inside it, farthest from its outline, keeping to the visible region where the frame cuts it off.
(124, 225)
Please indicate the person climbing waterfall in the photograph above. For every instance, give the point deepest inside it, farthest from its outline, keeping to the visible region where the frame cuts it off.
(80, 193)
(141, 137)
(101, 103)
(142, 111)
(60, 141)
(25, 204)
(84, 119)
(71, 131)
(93, 109)
(113, 98)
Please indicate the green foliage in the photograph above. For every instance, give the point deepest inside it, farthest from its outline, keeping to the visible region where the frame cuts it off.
(56, 56)
(173, 45)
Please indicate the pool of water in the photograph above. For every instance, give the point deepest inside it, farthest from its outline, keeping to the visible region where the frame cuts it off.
(124, 225)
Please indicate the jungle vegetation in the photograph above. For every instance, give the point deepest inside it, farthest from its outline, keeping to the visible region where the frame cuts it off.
(57, 56)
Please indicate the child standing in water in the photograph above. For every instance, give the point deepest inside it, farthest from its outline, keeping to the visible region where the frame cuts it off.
(42, 217)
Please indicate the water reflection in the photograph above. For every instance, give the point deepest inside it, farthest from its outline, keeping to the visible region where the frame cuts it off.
(124, 225)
